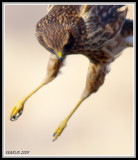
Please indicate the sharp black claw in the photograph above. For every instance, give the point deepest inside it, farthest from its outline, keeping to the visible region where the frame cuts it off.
(18, 115)
(13, 118)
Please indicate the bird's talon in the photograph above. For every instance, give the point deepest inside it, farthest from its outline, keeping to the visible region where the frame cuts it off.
(59, 129)
(16, 111)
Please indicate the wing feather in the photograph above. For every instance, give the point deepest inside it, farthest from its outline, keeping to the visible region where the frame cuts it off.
(50, 7)
(103, 22)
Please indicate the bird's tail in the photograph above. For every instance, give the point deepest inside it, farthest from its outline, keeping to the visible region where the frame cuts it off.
(127, 32)
(127, 29)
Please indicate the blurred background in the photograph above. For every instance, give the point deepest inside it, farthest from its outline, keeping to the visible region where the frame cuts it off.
(102, 125)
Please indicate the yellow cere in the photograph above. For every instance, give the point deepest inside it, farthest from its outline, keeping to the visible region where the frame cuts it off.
(59, 54)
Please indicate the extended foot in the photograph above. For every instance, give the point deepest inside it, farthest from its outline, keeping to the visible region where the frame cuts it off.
(59, 129)
(16, 111)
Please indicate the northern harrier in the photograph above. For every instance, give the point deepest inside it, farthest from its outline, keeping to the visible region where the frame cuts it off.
(99, 32)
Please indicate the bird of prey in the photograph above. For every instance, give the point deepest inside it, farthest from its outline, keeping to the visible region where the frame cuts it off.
(99, 32)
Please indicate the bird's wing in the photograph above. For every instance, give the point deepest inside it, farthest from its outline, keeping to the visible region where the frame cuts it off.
(49, 8)
(103, 22)
(72, 10)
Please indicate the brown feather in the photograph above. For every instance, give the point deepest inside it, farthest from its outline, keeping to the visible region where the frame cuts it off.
(95, 31)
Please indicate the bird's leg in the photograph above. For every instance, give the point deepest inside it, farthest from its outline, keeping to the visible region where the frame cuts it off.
(63, 124)
(95, 79)
(52, 70)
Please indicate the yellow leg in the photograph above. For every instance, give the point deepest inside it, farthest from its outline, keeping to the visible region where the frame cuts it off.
(64, 122)
(18, 108)
(52, 71)
(95, 79)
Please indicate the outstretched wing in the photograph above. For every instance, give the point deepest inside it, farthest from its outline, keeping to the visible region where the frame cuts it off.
(103, 22)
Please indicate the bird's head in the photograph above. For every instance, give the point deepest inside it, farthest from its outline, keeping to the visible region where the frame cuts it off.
(56, 39)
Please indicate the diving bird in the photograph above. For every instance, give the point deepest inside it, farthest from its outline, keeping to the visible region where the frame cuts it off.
(99, 32)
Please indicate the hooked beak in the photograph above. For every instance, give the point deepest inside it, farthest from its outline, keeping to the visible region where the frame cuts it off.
(60, 56)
